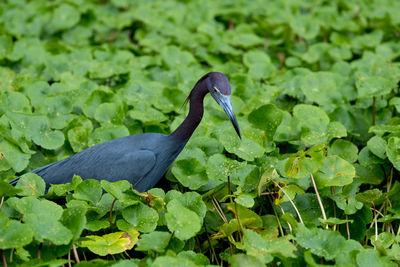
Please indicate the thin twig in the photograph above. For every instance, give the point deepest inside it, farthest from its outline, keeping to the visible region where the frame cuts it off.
(38, 253)
(213, 255)
(277, 217)
(375, 221)
(4, 258)
(236, 209)
(334, 208)
(69, 259)
(283, 212)
(294, 206)
(112, 206)
(347, 227)
(373, 110)
(1, 202)
(218, 208)
(170, 240)
(222, 215)
(11, 254)
(75, 253)
(319, 199)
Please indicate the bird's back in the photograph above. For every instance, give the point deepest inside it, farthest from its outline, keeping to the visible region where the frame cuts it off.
(141, 159)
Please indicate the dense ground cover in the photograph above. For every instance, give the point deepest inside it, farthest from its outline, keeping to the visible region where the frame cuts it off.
(315, 88)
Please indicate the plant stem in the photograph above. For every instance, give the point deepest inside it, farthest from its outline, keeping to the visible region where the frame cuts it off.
(294, 206)
(170, 240)
(319, 199)
(211, 246)
(283, 212)
(4, 258)
(375, 221)
(236, 209)
(347, 227)
(373, 110)
(69, 259)
(218, 208)
(1, 202)
(75, 253)
(38, 253)
(112, 206)
(277, 217)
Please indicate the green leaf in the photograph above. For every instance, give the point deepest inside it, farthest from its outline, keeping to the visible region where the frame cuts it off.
(321, 88)
(141, 217)
(189, 168)
(13, 157)
(334, 171)
(268, 118)
(219, 167)
(369, 86)
(173, 56)
(344, 149)
(156, 241)
(13, 234)
(313, 122)
(165, 261)
(303, 164)
(305, 26)
(384, 240)
(107, 133)
(6, 45)
(65, 16)
(247, 177)
(247, 217)
(245, 200)
(8, 190)
(265, 248)
(147, 114)
(109, 113)
(31, 185)
(37, 128)
(197, 258)
(193, 201)
(120, 190)
(43, 217)
(239, 260)
(113, 243)
(75, 220)
(369, 196)
(370, 257)
(323, 243)
(377, 146)
(182, 221)
(89, 190)
(393, 151)
(259, 64)
(246, 148)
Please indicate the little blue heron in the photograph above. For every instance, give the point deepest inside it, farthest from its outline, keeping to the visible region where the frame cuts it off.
(142, 159)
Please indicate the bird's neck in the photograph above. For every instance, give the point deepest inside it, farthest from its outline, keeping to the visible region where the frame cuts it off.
(186, 129)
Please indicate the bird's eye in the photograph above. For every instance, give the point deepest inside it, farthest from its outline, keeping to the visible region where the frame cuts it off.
(215, 90)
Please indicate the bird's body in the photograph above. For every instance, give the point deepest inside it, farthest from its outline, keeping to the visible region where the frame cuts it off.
(141, 159)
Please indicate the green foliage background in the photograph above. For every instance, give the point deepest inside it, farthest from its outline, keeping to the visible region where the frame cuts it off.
(315, 89)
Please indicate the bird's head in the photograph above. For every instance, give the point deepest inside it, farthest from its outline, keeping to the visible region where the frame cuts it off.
(219, 87)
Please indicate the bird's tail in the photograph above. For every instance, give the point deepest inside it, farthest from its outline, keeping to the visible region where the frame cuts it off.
(15, 181)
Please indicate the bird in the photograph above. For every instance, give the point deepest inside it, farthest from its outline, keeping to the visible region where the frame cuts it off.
(142, 159)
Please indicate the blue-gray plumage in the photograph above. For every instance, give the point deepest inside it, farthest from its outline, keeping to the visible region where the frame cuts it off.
(141, 159)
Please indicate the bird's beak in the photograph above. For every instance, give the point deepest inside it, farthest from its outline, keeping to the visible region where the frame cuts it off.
(225, 102)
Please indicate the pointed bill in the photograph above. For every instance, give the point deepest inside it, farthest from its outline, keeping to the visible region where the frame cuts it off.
(225, 102)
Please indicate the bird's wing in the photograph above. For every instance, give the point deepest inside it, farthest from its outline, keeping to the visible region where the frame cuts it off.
(113, 166)
(131, 166)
